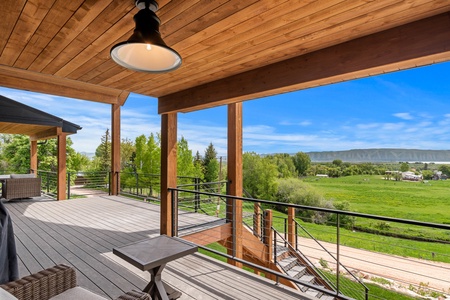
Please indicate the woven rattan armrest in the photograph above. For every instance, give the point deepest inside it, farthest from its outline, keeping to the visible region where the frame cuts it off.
(51, 282)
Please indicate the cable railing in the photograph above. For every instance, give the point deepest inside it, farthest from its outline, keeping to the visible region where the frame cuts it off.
(88, 180)
(331, 247)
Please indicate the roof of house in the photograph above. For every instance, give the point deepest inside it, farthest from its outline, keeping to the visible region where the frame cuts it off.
(18, 118)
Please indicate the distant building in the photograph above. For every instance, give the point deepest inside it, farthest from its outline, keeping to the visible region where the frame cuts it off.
(438, 175)
(411, 176)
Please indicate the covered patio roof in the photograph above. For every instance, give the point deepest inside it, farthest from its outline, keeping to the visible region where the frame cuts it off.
(232, 50)
(18, 118)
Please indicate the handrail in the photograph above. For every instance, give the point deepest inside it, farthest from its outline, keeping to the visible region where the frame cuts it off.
(310, 264)
(349, 213)
(332, 256)
(277, 274)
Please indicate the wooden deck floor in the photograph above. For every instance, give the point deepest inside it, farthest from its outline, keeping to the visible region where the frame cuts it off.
(83, 232)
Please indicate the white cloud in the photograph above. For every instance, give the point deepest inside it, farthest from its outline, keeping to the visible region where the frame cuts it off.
(403, 116)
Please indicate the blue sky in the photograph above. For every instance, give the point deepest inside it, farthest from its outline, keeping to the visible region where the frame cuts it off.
(405, 109)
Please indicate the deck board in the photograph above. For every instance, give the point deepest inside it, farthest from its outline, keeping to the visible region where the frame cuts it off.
(83, 232)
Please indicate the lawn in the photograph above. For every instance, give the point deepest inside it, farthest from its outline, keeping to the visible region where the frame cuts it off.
(427, 202)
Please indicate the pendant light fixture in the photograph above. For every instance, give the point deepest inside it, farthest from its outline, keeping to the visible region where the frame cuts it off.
(145, 50)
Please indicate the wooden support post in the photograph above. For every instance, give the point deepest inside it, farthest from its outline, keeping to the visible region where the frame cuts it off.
(115, 149)
(62, 169)
(168, 169)
(234, 164)
(33, 157)
(268, 239)
(291, 226)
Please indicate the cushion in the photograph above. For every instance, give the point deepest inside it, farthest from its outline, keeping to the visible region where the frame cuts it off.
(23, 176)
(5, 176)
(4, 295)
(77, 293)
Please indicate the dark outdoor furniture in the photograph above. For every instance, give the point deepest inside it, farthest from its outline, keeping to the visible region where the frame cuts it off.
(21, 186)
(152, 255)
(59, 281)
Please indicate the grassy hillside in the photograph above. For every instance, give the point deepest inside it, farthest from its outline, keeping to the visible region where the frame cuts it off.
(428, 202)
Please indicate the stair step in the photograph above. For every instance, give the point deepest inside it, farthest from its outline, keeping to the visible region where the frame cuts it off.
(307, 278)
(314, 293)
(288, 263)
(326, 297)
(297, 271)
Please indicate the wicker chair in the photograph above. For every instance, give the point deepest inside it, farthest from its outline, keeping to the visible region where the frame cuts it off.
(16, 188)
(51, 282)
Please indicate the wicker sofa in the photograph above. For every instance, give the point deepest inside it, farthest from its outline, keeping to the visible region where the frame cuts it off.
(19, 186)
(59, 283)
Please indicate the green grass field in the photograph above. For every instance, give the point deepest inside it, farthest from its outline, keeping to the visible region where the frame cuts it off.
(427, 202)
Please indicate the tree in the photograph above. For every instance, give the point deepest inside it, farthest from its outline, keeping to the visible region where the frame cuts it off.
(302, 161)
(127, 149)
(260, 176)
(404, 167)
(285, 165)
(337, 162)
(210, 164)
(185, 162)
(445, 169)
(103, 153)
(16, 154)
(295, 191)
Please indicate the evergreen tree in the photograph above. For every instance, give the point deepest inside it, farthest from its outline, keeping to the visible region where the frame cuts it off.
(103, 153)
(210, 164)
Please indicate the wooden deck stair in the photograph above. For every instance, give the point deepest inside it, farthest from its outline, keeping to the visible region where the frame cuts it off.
(255, 251)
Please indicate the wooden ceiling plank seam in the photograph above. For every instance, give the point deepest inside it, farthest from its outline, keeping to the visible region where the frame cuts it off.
(9, 15)
(86, 41)
(218, 26)
(29, 20)
(227, 26)
(201, 23)
(83, 27)
(248, 25)
(289, 46)
(77, 23)
(250, 49)
(403, 46)
(47, 30)
(98, 55)
(86, 60)
(171, 10)
(197, 11)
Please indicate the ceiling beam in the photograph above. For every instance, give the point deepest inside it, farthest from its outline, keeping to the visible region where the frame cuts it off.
(52, 85)
(415, 44)
(45, 134)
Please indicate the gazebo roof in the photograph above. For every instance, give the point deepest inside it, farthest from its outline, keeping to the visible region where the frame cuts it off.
(18, 118)
(232, 50)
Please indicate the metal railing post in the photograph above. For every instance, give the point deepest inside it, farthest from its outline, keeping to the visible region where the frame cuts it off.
(109, 174)
(68, 185)
(174, 197)
(136, 175)
(275, 246)
(48, 182)
(197, 195)
(233, 201)
(337, 252)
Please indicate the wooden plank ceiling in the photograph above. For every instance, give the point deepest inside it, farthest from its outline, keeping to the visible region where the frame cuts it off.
(232, 50)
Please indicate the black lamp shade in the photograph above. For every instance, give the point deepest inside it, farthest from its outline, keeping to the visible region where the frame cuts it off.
(145, 50)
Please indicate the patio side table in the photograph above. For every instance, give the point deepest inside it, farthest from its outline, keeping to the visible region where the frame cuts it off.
(152, 255)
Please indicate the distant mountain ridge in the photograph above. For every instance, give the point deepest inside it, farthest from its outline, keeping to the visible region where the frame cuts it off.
(382, 155)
